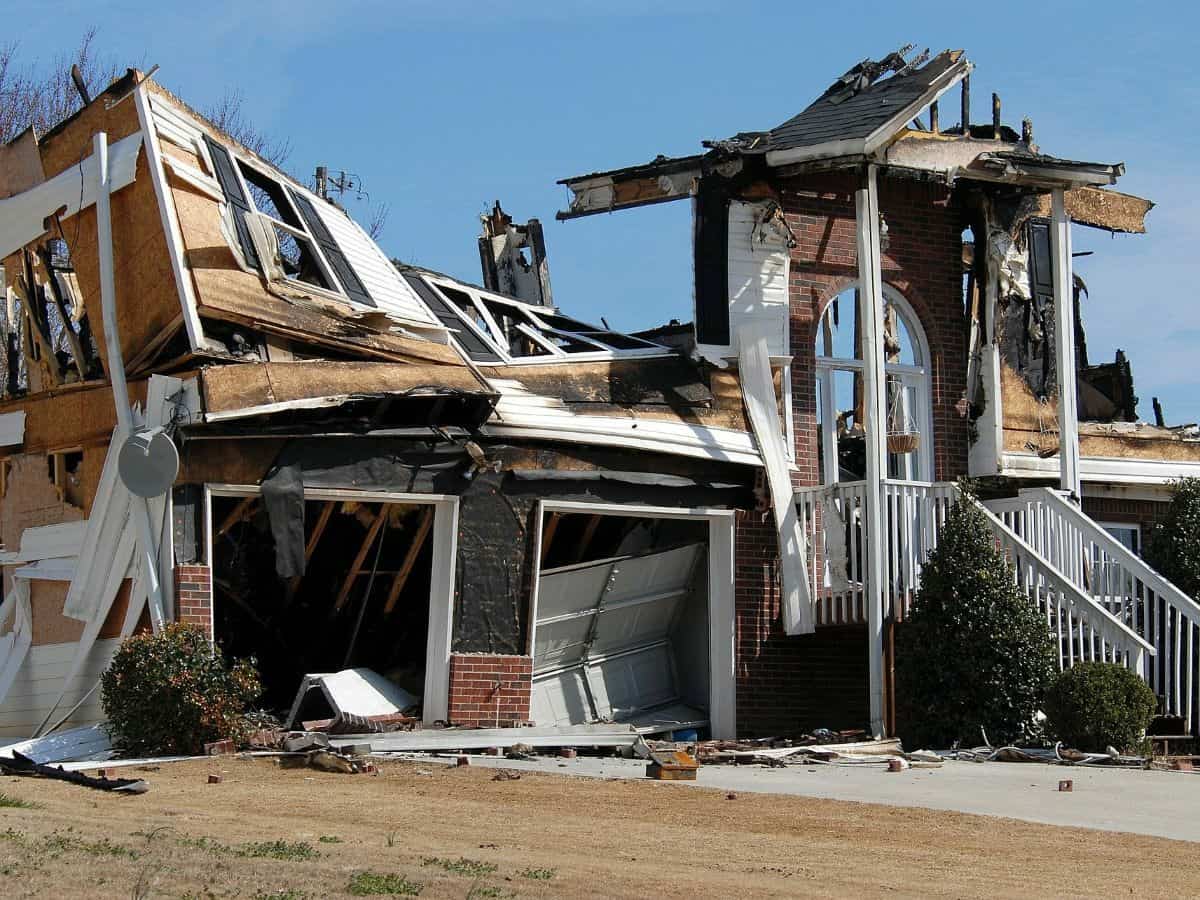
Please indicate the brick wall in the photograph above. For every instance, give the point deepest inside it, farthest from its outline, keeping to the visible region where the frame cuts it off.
(489, 690)
(788, 684)
(1146, 513)
(923, 262)
(193, 596)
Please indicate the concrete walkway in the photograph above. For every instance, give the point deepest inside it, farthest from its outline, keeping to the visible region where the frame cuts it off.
(1164, 804)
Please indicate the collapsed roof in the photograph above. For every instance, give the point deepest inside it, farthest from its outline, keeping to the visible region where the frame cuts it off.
(871, 114)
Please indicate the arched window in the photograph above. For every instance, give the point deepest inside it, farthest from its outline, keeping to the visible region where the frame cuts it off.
(840, 398)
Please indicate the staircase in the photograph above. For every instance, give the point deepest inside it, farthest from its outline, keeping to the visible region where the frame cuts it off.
(1119, 581)
(1101, 601)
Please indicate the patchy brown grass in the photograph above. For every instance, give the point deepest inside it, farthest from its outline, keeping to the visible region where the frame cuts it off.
(443, 832)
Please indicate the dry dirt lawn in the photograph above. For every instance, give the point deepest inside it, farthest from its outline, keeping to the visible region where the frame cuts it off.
(265, 831)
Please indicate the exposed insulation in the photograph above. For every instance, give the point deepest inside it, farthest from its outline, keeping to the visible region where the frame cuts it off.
(1102, 208)
(231, 387)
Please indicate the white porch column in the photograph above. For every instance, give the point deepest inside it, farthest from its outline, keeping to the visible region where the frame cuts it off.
(1064, 345)
(870, 298)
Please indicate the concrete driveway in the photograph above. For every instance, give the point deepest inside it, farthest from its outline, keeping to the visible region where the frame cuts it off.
(1165, 804)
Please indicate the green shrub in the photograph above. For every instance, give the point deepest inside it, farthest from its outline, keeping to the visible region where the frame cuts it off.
(1173, 547)
(172, 692)
(1095, 705)
(974, 651)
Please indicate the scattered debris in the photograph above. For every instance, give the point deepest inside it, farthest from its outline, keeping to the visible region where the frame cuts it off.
(19, 764)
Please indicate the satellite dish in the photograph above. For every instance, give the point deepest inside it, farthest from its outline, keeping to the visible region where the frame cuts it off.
(148, 463)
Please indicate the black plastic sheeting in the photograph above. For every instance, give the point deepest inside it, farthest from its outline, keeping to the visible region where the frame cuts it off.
(283, 497)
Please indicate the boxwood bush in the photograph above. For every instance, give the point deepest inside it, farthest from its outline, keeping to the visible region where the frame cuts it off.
(974, 652)
(170, 693)
(1095, 705)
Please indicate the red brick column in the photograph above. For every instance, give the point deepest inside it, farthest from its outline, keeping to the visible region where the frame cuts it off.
(193, 596)
(490, 691)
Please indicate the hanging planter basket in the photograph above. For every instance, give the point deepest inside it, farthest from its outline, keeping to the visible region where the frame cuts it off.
(903, 441)
(902, 436)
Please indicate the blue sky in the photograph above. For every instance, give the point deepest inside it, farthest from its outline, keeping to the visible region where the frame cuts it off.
(443, 107)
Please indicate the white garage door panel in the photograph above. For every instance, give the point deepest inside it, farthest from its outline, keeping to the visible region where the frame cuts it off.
(573, 589)
(559, 643)
(633, 681)
(560, 699)
(592, 635)
(631, 626)
(657, 573)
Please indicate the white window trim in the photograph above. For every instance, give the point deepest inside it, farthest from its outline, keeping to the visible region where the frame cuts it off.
(440, 635)
(722, 619)
(1135, 527)
(303, 233)
(554, 354)
(905, 373)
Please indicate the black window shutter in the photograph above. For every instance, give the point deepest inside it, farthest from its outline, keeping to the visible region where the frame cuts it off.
(1041, 265)
(712, 265)
(350, 281)
(231, 186)
(474, 345)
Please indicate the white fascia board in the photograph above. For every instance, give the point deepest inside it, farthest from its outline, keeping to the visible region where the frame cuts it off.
(830, 149)
(170, 223)
(719, 444)
(283, 405)
(1101, 469)
(22, 216)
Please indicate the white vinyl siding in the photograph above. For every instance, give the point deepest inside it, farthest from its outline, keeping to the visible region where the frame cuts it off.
(39, 683)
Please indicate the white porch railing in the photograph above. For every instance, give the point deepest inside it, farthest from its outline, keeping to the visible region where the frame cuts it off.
(1120, 581)
(914, 513)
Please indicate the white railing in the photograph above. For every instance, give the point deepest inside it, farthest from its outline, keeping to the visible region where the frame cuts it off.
(1120, 581)
(834, 520)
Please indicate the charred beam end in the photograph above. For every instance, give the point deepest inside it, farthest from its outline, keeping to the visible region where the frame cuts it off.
(995, 117)
(934, 125)
(966, 104)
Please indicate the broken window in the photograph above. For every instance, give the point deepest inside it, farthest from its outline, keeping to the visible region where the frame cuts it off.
(489, 328)
(65, 470)
(295, 241)
(47, 340)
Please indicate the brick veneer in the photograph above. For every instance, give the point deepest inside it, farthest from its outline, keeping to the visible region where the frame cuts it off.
(1146, 513)
(193, 596)
(490, 690)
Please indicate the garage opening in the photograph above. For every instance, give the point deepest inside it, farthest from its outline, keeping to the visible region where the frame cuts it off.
(621, 624)
(363, 600)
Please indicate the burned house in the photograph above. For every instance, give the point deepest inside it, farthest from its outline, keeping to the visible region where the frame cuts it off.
(224, 404)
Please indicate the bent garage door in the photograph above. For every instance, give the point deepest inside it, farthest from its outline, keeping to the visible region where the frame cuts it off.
(624, 639)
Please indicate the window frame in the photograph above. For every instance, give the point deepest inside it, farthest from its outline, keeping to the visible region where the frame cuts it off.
(918, 377)
(301, 233)
(540, 333)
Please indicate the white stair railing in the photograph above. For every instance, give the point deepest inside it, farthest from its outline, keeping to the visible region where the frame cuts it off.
(1120, 581)
(914, 514)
